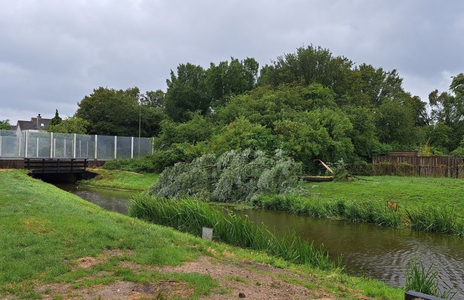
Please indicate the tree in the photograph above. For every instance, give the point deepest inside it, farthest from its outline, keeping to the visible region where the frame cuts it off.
(153, 99)
(187, 93)
(70, 125)
(117, 112)
(56, 119)
(5, 125)
(310, 64)
(448, 108)
(228, 79)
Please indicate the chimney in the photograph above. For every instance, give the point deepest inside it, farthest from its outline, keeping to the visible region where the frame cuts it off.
(39, 118)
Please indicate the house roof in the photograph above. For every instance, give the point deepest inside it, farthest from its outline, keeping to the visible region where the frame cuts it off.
(33, 124)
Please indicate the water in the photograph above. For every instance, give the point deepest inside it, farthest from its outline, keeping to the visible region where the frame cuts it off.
(112, 200)
(380, 253)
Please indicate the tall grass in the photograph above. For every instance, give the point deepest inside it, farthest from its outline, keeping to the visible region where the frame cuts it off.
(424, 280)
(190, 215)
(436, 219)
(355, 211)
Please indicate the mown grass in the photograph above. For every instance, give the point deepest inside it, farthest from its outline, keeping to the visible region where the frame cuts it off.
(121, 180)
(44, 230)
(191, 215)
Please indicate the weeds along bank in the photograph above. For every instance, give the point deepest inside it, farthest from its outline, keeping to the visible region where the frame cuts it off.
(47, 235)
(274, 182)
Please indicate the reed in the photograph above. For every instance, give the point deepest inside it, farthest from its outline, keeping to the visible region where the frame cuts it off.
(436, 219)
(424, 280)
(354, 211)
(190, 215)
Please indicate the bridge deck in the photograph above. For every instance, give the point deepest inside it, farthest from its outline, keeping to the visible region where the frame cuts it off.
(56, 166)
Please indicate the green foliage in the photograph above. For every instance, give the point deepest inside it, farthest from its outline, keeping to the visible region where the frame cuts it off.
(190, 215)
(197, 129)
(440, 219)
(118, 112)
(5, 125)
(70, 125)
(56, 119)
(235, 176)
(424, 279)
(242, 134)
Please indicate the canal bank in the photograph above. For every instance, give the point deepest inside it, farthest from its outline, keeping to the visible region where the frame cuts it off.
(56, 245)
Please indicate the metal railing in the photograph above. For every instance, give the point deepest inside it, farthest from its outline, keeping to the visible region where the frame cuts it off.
(42, 144)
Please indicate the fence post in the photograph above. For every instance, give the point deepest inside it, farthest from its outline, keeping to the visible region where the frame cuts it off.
(1, 144)
(96, 148)
(115, 147)
(25, 142)
(132, 147)
(51, 145)
(74, 145)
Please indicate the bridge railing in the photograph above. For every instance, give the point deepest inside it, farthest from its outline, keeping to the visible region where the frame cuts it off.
(42, 144)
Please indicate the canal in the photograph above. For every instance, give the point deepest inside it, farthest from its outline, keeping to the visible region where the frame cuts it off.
(380, 253)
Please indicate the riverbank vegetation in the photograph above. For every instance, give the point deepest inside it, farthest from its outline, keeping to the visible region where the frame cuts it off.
(125, 180)
(56, 245)
(191, 215)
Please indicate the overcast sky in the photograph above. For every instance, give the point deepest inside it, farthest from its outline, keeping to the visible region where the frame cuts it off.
(54, 53)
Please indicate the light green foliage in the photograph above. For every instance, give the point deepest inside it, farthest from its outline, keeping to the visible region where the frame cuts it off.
(424, 279)
(242, 134)
(197, 129)
(235, 176)
(70, 125)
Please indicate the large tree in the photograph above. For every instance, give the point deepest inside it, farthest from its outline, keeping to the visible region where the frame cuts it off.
(187, 93)
(448, 108)
(119, 112)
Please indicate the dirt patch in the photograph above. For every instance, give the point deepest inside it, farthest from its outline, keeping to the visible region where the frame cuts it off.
(240, 279)
(250, 280)
(119, 290)
(87, 262)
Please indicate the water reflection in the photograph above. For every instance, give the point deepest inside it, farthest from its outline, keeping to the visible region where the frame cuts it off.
(382, 253)
(112, 200)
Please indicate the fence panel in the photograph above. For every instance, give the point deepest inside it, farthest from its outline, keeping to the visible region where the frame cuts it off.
(427, 166)
(42, 144)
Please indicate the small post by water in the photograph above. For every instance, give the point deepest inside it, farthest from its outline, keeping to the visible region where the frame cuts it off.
(207, 234)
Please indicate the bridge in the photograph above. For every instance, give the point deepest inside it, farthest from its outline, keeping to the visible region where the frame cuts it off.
(62, 153)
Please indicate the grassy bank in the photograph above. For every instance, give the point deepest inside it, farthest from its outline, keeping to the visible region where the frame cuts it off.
(426, 204)
(120, 180)
(56, 245)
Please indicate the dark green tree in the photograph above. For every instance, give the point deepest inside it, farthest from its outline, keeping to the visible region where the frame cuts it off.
(187, 93)
(229, 79)
(70, 125)
(56, 119)
(5, 125)
(119, 112)
(448, 108)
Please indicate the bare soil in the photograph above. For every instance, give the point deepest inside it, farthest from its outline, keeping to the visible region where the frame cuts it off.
(237, 279)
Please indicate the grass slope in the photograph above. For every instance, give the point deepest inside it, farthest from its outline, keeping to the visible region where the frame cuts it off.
(46, 233)
(121, 180)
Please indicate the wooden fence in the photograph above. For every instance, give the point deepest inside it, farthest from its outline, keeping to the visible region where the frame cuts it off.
(427, 166)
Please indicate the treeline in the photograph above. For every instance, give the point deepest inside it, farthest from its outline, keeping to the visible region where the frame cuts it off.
(310, 104)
